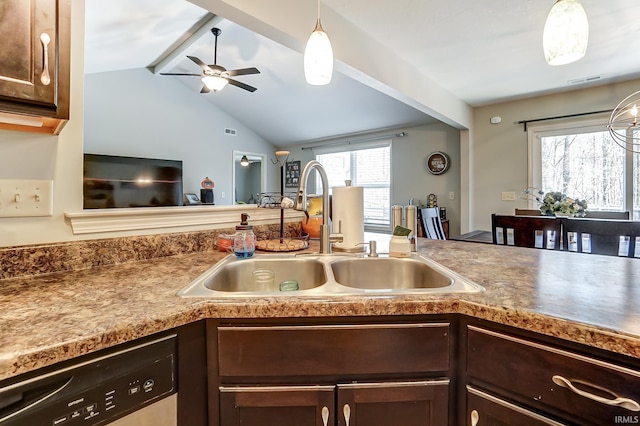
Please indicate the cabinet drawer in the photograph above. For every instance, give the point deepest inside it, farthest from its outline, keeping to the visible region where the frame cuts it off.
(543, 375)
(332, 350)
(485, 409)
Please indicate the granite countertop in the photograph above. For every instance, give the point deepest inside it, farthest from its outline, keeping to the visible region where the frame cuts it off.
(589, 299)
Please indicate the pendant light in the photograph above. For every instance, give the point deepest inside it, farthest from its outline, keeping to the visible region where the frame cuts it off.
(244, 161)
(566, 33)
(318, 56)
(624, 123)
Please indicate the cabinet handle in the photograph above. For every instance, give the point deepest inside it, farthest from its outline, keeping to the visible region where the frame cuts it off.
(325, 416)
(627, 403)
(346, 410)
(475, 418)
(44, 77)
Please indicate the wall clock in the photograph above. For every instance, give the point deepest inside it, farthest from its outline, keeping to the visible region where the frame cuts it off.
(437, 163)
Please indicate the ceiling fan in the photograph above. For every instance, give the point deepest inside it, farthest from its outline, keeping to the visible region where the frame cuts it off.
(214, 76)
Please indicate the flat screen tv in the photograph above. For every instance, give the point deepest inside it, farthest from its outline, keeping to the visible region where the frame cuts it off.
(112, 181)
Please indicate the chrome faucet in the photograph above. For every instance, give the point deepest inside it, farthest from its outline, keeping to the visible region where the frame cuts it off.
(326, 238)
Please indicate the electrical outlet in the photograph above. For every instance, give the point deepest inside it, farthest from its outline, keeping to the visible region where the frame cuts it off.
(222, 194)
(452, 195)
(22, 198)
(508, 196)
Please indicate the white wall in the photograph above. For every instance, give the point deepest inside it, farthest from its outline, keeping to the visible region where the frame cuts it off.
(139, 114)
(30, 156)
(410, 178)
(500, 150)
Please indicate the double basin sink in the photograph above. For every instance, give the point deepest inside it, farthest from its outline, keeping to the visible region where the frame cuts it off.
(327, 274)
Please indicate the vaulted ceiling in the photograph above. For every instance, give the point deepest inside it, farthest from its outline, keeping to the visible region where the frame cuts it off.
(478, 52)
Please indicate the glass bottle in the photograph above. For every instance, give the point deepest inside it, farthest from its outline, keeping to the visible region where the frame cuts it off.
(244, 240)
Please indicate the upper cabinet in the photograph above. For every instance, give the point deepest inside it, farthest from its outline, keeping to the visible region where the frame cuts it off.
(34, 65)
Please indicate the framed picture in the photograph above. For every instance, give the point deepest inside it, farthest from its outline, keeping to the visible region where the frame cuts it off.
(191, 199)
(292, 174)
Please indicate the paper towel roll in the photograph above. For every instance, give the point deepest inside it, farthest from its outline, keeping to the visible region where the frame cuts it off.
(348, 208)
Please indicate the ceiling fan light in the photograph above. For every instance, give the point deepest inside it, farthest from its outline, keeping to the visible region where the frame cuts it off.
(214, 83)
(244, 161)
(566, 33)
(318, 58)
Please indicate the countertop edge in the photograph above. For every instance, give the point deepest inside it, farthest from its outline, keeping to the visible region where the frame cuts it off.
(13, 364)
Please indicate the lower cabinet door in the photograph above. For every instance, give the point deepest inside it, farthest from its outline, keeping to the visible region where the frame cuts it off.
(277, 405)
(487, 410)
(418, 403)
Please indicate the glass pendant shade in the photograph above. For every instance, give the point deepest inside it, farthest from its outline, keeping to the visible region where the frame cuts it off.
(566, 33)
(244, 161)
(214, 83)
(318, 58)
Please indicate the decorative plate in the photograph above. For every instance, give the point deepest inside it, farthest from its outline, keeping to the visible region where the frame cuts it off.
(437, 163)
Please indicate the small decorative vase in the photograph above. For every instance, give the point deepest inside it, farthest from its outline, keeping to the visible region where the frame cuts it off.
(312, 226)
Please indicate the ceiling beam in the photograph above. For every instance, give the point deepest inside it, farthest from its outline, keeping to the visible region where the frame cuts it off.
(175, 56)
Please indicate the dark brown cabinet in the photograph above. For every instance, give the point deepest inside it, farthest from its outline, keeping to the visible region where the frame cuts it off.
(277, 405)
(414, 403)
(34, 65)
(560, 386)
(333, 374)
(487, 410)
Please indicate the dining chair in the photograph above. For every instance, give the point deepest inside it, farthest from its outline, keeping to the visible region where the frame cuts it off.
(601, 236)
(528, 212)
(607, 215)
(526, 231)
(432, 223)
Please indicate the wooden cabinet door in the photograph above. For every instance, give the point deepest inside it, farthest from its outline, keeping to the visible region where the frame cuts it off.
(487, 410)
(586, 390)
(418, 403)
(28, 56)
(277, 405)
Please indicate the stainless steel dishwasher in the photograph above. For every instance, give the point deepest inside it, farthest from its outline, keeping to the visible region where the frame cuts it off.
(133, 386)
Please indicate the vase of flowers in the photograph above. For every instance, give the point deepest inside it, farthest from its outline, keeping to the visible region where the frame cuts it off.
(556, 203)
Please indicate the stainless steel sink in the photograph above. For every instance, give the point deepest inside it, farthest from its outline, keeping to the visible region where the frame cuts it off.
(328, 274)
(389, 273)
(233, 275)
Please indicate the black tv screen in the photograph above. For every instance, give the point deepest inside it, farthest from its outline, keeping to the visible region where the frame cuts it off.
(112, 181)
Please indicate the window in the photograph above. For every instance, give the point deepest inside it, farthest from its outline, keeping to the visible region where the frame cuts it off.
(368, 166)
(582, 160)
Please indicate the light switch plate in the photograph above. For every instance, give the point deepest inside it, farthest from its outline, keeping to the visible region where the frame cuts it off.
(22, 198)
(508, 196)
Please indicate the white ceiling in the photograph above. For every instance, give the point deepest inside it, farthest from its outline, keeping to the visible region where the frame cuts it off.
(480, 51)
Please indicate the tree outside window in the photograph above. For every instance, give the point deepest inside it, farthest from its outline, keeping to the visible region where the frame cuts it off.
(584, 162)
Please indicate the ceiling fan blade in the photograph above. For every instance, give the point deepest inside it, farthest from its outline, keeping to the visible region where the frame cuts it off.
(241, 85)
(179, 73)
(199, 62)
(205, 89)
(244, 71)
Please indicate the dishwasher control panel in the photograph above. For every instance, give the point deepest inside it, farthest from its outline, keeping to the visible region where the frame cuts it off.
(96, 391)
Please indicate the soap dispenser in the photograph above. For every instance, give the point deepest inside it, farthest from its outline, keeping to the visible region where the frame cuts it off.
(244, 240)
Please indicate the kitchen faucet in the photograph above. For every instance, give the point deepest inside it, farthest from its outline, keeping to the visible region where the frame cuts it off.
(326, 238)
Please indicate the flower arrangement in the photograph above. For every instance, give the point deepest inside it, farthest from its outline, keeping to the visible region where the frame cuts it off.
(556, 203)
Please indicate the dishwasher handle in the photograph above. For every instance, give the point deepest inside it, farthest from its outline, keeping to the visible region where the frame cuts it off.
(14, 403)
